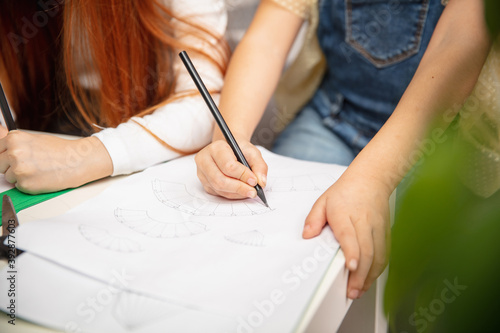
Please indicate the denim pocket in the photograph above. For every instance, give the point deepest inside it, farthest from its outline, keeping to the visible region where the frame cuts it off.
(385, 31)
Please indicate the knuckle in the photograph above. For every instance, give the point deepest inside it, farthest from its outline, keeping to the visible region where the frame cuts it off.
(15, 154)
(219, 183)
(367, 254)
(21, 174)
(242, 189)
(217, 146)
(12, 138)
(230, 167)
(25, 185)
(209, 190)
(341, 232)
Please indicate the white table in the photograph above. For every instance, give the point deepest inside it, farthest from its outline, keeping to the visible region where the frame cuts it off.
(330, 311)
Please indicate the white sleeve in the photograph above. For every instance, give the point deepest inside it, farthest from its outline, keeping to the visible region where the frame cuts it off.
(185, 124)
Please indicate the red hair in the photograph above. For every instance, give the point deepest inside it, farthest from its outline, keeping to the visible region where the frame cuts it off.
(108, 59)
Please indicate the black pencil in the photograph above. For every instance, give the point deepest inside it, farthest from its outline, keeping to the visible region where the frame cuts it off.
(218, 118)
(7, 114)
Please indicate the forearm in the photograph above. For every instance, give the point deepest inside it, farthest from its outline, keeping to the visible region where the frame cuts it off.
(185, 125)
(91, 159)
(443, 81)
(39, 163)
(256, 67)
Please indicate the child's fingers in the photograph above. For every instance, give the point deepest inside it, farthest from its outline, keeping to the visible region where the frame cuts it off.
(344, 232)
(381, 240)
(3, 131)
(216, 182)
(316, 219)
(366, 254)
(257, 163)
(4, 162)
(10, 176)
(227, 163)
(229, 195)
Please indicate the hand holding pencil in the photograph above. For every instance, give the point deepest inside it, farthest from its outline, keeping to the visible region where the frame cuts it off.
(221, 174)
(6, 111)
(231, 141)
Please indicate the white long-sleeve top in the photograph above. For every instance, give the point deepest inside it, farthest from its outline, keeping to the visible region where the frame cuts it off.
(185, 124)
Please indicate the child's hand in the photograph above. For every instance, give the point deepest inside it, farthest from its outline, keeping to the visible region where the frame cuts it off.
(39, 163)
(3, 131)
(221, 174)
(358, 213)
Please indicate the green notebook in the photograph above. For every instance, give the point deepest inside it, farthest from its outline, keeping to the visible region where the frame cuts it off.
(22, 200)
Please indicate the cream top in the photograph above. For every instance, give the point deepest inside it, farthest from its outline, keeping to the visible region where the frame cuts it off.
(478, 136)
(301, 8)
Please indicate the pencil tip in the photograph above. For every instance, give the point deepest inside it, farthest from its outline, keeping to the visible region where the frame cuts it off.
(262, 197)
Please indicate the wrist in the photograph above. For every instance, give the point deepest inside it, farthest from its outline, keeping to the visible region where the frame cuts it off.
(382, 182)
(95, 163)
(238, 135)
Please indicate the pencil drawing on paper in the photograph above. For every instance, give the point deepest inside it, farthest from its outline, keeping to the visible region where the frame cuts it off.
(104, 239)
(312, 182)
(250, 238)
(177, 196)
(133, 311)
(142, 222)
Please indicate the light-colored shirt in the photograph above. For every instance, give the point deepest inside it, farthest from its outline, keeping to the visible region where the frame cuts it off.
(299, 7)
(478, 137)
(185, 124)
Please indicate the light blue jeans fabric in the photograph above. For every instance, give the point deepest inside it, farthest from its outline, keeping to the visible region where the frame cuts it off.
(306, 138)
(373, 48)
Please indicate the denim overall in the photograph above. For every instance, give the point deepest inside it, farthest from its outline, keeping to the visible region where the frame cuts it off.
(373, 48)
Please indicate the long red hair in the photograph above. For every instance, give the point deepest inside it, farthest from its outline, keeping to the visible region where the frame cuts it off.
(109, 60)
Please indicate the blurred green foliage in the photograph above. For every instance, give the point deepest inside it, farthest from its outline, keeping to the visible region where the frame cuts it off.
(444, 273)
(492, 13)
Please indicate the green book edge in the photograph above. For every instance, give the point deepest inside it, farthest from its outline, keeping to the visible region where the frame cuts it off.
(22, 200)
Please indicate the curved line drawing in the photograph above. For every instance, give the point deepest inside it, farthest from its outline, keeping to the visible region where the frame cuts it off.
(133, 311)
(251, 238)
(177, 196)
(141, 222)
(313, 182)
(104, 239)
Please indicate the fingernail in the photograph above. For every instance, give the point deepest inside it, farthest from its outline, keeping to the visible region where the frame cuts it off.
(353, 264)
(251, 194)
(263, 179)
(252, 182)
(353, 294)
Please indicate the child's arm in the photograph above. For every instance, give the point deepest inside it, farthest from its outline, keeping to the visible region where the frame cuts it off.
(356, 206)
(252, 76)
(42, 163)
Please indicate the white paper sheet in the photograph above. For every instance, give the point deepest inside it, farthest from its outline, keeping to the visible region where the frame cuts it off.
(237, 264)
